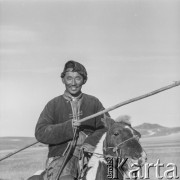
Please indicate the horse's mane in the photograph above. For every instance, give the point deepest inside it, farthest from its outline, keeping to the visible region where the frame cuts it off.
(124, 118)
(95, 159)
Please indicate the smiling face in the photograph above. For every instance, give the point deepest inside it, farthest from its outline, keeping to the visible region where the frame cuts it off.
(73, 82)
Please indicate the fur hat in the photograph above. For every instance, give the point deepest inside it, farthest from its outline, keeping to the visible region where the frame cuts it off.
(76, 67)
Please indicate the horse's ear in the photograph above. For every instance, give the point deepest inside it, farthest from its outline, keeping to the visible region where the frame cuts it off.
(124, 118)
(107, 121)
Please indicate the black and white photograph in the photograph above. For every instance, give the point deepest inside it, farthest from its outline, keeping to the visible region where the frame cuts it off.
(89, 89)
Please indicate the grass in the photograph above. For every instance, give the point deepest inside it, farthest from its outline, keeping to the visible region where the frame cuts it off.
(166, 149)
(27, 162)
(24, 164)
(165, 155)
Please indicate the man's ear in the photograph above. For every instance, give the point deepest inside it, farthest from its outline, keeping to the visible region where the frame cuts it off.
(63, 80)
(84, 81)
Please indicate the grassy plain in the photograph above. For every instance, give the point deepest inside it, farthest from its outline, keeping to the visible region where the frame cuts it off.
(27, 162)
(166, 149)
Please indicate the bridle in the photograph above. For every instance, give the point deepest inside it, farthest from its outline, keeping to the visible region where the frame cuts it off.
(117, 147)
(118, 156)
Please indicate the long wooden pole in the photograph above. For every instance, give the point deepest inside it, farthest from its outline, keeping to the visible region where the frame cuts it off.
(176, 83)
(15, 152)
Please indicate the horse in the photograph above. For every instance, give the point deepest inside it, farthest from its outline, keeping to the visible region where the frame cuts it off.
(118, 145)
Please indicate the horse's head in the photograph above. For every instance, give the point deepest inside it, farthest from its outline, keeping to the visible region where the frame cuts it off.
(123, 141)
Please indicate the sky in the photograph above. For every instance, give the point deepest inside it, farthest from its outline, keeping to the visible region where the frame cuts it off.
(129, 48)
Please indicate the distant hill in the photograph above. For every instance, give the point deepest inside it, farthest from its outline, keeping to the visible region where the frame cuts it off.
(146, 130)
(151, 130)
(17, 142)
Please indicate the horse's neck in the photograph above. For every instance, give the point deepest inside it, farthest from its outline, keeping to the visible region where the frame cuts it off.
(97, 164)
(95, 160)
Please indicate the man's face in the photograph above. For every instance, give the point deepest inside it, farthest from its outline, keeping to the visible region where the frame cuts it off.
(73, 82)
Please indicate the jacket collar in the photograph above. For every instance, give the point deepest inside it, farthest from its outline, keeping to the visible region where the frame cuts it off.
(69, 97)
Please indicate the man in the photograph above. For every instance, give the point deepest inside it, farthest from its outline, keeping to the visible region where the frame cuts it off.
(59, 119)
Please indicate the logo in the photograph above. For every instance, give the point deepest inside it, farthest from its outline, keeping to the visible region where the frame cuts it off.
(115, 167)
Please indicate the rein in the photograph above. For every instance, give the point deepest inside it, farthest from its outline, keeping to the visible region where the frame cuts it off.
(106, 157)
(115, 148)
(68, 154)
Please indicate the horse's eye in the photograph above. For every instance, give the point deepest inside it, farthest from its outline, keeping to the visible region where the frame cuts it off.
(116, 133)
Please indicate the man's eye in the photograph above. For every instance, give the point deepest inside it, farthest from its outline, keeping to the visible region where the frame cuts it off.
(78, 78)
(69, 78)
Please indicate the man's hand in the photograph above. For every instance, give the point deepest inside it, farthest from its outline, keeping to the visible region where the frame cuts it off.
(76, 123)
(88, 147)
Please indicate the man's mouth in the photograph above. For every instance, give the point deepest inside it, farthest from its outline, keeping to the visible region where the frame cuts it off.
(74, 88)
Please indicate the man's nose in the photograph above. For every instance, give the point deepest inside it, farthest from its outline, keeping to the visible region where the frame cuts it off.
(73, 82)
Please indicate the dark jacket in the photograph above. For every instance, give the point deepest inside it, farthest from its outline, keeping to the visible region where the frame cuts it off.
(54, 126)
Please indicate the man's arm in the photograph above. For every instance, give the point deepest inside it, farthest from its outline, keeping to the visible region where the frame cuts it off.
(48, 132)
